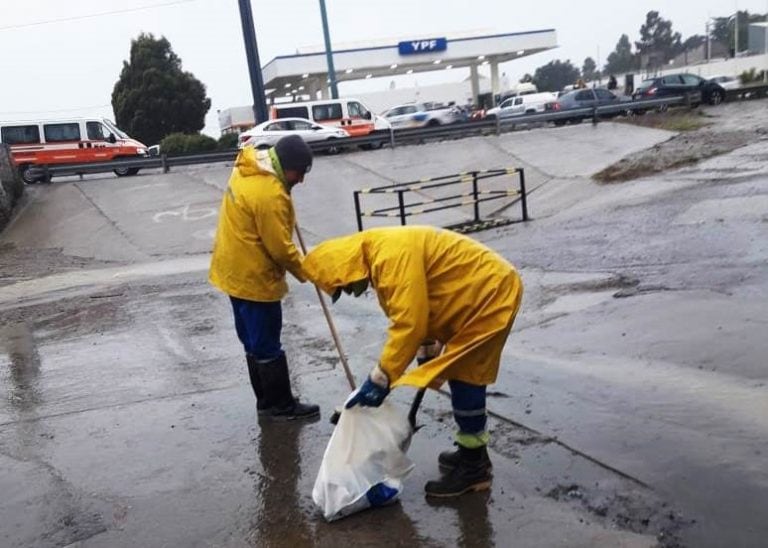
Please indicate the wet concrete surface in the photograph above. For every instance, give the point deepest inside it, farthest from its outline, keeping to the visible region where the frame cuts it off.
(630, 409)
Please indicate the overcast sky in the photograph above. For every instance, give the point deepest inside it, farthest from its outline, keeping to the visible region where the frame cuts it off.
(62, 58)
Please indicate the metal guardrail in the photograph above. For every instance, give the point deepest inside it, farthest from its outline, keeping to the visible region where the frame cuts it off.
(750, 91)
(473, 198)
(391, 138)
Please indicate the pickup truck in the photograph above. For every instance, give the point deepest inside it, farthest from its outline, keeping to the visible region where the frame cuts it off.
(420, 115)
(522, 104)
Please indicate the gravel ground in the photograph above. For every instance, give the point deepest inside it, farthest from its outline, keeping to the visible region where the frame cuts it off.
(732, 126)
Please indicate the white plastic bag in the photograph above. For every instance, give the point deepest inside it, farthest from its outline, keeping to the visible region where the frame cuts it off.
(365, 461)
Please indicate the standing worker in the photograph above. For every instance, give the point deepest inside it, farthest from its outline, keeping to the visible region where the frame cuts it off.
(433, 285)
(253, 249)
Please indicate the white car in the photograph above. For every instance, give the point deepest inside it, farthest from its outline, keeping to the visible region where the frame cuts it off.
(726, 82)
(522, 104)
(268, 133)
(419, 115)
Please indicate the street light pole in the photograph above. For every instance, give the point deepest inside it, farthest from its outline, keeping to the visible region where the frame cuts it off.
(329, 52)
(254, 66)
(709, 43)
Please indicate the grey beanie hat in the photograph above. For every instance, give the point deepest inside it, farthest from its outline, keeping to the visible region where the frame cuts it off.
(294, 154)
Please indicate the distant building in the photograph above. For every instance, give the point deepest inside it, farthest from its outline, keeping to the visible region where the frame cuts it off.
(236, 119)
(304, 75)
(758, 36)
(717, 50)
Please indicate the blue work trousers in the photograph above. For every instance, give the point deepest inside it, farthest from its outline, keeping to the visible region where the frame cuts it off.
(258, 326)
(468, 401)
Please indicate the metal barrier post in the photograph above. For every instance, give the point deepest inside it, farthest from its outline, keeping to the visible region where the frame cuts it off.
(474, 196)
(401, 203)
(594, 115)
(498, 125)
(523, 199)
(392, 137)
(358, 212)
(46, 174)
(164, 162)
(688, 100)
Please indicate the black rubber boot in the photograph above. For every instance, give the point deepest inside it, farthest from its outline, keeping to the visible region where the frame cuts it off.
(448, 460)
(263, 405)
(277, 383)
(470, 474)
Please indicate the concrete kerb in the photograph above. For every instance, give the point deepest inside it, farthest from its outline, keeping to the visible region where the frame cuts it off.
(11, 185)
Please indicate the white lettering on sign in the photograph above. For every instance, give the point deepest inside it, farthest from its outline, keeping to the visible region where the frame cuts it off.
(424, 45)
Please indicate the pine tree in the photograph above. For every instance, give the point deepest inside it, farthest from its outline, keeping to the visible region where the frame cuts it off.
(154, 97)
(622, 59)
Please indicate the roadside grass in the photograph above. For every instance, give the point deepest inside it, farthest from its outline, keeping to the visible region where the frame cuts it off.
(627, 170)
(679, 120)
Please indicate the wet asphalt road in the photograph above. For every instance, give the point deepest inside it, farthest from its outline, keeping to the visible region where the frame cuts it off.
(127, 418)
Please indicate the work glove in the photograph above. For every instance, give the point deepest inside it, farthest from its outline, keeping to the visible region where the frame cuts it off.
(373, 390)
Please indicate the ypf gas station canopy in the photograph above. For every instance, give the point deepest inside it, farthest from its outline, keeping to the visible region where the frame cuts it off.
(307, 73)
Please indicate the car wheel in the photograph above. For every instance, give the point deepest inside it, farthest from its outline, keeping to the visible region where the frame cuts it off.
(559, 123)
(433, 123)
(26, 174)
(333, 149)
(126, 171)
(715, 98)
(662, 108)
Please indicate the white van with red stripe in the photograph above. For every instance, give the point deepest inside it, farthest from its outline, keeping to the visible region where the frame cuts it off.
(349, 114)
(70, 141)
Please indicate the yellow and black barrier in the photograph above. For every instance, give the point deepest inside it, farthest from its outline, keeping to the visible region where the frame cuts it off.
(473, 197)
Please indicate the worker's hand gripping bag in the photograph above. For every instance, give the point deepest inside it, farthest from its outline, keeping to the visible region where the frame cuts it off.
(365, 462)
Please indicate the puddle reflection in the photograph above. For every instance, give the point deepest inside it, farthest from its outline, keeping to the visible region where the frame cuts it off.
(281, 521)
(23, 390)
(474, 524)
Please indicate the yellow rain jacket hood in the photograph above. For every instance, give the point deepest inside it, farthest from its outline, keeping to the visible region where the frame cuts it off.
(254, 239)
(431, 284)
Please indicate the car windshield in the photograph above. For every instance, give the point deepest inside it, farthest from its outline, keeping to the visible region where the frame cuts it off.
(646, 84)
(114, 129)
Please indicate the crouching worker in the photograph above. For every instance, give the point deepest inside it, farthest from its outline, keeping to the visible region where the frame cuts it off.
(253, 249)
(433, 285)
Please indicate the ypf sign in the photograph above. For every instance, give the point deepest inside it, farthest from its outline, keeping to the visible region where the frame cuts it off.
(413, 47)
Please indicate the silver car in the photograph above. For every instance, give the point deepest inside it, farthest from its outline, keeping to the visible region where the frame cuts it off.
(270, 132)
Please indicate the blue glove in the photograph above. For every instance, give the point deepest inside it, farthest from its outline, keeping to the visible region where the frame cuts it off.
(370, 394)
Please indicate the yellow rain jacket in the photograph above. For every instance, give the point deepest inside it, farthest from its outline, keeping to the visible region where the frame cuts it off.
(432, 284)
(254, 245)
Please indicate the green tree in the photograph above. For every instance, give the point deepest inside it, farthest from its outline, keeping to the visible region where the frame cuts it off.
(154, 97)
(658, 44)
(527, 78)
(621, 59)
(555, 75)
(228, 141)
(589, 69)
(180, 143)
(693, 42)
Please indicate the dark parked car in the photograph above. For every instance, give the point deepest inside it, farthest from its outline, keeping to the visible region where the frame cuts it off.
(671, 85)
(584, 98)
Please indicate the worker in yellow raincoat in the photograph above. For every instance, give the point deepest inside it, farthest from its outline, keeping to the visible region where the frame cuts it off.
(433, 285)
(252, 251)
